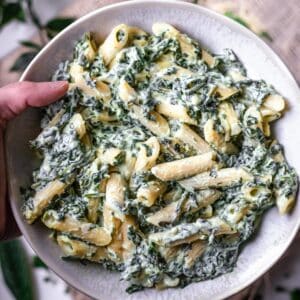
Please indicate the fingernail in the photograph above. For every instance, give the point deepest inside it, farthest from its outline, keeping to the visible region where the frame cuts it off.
(60, 84)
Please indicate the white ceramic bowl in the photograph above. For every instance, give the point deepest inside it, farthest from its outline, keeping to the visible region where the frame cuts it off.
(215, 32)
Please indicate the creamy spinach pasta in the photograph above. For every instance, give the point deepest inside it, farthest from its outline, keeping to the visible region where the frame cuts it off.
(159, 161)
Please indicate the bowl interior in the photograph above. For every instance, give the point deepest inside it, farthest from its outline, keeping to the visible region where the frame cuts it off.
(216, 33)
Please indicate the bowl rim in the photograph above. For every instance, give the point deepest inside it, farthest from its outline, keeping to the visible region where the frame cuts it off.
(180, 4)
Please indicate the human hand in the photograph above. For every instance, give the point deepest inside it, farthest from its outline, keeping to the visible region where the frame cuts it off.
(15, 98)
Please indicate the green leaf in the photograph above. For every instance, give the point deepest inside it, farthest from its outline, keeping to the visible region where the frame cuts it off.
(38, 263)
(56, 25)
(10, 12)
(30, 44)
(295, 294)
(233, 16)
(59, 24)
(23, 61)
(16, 270)
(266, 35)
(32, 13)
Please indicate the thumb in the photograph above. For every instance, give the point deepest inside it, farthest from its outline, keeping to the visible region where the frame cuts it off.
(16, 97)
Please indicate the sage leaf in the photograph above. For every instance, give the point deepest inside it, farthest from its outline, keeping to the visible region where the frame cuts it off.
(16, 270)
(23, 61)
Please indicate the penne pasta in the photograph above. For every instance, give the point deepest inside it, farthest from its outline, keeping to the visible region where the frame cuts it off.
(216, 139)
(127, 168)
(231, 118)
(128, 247)
(110, 222)
(88, 45)
(211, 135)
(191, 204)
(175, 111)
(98, 90)
(75, 248)
(148, 193)
(121, 247)
(274, 102)
(81, 250)
(42, 199)
(167, 282)
(284, 203)
(167, 214)
(137, 37)
(224, 92)
(147, 155)
(208, 59)
(190, 137)
(92, 207)
(237, 76)
(253, 118)
(190, 232)
(201, 199)
(169, 31)
(115, 247)
(115, 42)
(115, 191)
(159, 161)
(76, 123)
(155, 123)
(56, 118)
(235, 213)
(110, 156)
(196, 250)
(89, 232)
(126, 92)
(185, 167)
(220, 178)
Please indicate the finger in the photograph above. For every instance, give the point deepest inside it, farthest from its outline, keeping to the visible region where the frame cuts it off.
(16, 97)
(2, 186)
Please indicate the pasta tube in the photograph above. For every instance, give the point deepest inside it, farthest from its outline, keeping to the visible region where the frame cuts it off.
(284, 203)
(109, 156)
(115, 42)
(190, 232)
(274, 102)
(100, 91)
(169, 213)
(148, 193)
(196, 250)
(185, 167)
(224, 92)
(79, 249)
(42, 199)
(175, 111)
(147, 155)
(115, 193)
(89, 232)
(221, 178)
(76, 123)
(190, 137)
(231, 118)
(210, 60)
(157, 124)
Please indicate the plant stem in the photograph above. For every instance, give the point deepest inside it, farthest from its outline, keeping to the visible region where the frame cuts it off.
(32, 15)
